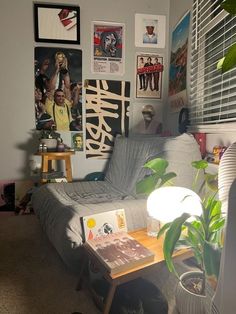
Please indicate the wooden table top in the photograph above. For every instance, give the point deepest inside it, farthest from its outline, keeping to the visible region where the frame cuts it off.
(56, 154)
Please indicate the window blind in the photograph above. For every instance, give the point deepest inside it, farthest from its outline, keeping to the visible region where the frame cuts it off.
(212, 94)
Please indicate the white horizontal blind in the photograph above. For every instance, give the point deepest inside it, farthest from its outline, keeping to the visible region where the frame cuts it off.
(212, 95)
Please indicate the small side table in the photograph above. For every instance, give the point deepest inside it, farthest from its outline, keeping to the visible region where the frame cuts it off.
(47, 157)
(156, 246)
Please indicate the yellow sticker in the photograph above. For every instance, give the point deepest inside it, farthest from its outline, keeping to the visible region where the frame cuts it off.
(91, 223)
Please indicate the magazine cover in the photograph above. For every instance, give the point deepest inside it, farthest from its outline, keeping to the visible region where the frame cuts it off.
(119, 251)
(104, 223)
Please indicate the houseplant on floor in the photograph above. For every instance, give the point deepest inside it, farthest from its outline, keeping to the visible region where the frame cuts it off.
(202, 235)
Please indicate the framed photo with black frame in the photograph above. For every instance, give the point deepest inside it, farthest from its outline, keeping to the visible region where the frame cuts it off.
(57, 23)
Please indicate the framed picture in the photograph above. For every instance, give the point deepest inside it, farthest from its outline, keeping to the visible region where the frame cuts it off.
(150, 30)
(149, 71)
(57, 23)
(108, 48)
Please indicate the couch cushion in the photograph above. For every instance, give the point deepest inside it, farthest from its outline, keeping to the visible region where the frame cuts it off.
(130, 154)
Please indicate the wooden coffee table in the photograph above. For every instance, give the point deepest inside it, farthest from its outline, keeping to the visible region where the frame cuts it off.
(116, 279)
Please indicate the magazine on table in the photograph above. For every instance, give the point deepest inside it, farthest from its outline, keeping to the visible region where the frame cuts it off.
(119, 251)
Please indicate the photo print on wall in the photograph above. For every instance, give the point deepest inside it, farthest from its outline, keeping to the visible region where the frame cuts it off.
(58, 89)
(108, 48)
(107, 114)
(57, 23)
(150, 30)
(77, 142)
(149, 71)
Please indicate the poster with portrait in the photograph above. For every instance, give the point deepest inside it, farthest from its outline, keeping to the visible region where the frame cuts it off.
(146, 118)
(108, 48)
(149, 71)
(58, 88)
(77, 142)
(107, 114)
(178, 65)
(150, 30)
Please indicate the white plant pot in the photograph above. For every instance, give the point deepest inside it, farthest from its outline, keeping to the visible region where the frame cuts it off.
(186, 301)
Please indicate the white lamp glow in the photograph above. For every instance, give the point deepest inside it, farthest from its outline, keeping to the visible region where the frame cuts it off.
(167, 203)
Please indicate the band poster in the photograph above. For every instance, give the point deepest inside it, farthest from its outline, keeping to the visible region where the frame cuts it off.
(149, 70)
(108, 48)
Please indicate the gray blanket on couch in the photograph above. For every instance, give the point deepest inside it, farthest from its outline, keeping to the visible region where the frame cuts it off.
(60, 206)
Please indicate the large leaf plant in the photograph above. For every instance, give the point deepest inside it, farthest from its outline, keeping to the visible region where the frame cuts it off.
(229, 60)
(203, 233)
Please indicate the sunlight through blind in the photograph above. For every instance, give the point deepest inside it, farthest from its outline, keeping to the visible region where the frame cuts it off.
(212, 94)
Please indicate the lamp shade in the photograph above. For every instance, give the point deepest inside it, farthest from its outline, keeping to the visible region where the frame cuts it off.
(167, 203)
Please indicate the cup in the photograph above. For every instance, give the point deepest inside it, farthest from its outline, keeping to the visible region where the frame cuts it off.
(153, 226)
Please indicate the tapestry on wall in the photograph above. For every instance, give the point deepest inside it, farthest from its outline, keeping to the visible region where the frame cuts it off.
(58, 89)
(107, 114)
(178, 65)
(149, 70)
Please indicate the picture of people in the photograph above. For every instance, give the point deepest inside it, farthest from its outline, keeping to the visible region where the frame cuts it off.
(149, 69)
(58, 89)
(77, 141)
(146, 119)
(108, 48)
(150, 30)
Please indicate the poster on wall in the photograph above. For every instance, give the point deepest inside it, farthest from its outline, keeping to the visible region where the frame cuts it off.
(178, 65)
(150, 30)
(108, 48)
(149, 71)
(146, 119)
(57, 23)
(77, 142)
(107, 114)
(58, 89)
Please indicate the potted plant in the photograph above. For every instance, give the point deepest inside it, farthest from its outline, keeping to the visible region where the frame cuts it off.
(50, 139)
(203, 235)
(229, 60)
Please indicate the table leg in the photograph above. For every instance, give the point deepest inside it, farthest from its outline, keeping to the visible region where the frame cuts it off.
(109, 298)
(44, 167)
(68, 169)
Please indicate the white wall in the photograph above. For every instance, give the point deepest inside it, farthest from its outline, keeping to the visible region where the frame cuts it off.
(18, 142)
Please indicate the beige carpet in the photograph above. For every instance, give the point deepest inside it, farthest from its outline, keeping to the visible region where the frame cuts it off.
(33, 278)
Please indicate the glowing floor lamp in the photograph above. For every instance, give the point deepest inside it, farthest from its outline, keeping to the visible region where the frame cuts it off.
(167, 203)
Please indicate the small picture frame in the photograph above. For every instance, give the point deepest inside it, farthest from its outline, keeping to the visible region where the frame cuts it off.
(150, 30)
(57, 23)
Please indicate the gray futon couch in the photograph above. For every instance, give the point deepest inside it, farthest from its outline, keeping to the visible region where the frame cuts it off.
(60, 206)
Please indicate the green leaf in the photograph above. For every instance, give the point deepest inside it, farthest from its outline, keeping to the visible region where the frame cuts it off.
(220, 63)
(212, 181)
(230, 59)
(163, 229)
(200, 164)
(147, 184)
(167, 177)
(211, 257)
(229, 6)
(157, 165)
(171, 238)
(217, 225)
